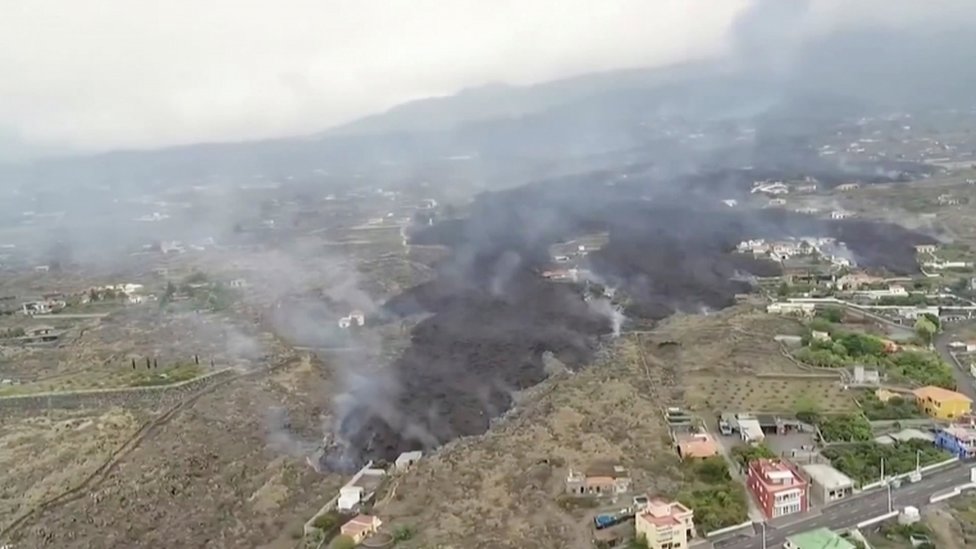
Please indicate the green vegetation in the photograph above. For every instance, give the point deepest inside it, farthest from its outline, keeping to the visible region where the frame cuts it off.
(404, 533)
(342, 542)
(904, 532)
(744, 454)
(834, 315)
(847, 349)
(845, 428)
(175, 374)
(718, 501)
(924, 367)
(217, 297)
(167, 295)
(326, 522)
(862, 461)
(925, 329)
(895, 408)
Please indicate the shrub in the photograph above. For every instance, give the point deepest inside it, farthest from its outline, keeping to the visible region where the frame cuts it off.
(404, 533)
(342, 542)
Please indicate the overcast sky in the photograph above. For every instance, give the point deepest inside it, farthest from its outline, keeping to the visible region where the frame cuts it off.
(100, 74)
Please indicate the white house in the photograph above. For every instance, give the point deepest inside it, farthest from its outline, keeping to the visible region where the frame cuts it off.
(891, 291)
(750, 430)
(788, 308)
(406, 459)
(349, 497)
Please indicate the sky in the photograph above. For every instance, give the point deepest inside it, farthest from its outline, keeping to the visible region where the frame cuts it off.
(106, 74)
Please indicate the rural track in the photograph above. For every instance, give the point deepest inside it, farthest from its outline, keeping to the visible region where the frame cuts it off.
(96, 477)
(661, 383)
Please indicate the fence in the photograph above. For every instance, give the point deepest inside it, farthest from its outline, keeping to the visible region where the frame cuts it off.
(877, 519)
(729, 529)
(101, 398)
(958, 490)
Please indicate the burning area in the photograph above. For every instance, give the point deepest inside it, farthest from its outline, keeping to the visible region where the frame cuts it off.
(491, 316)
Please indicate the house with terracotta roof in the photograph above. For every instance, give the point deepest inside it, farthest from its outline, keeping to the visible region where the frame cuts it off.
(942, 403)
(777, 487)
(600, 479)
(361, 527)
(697, 446)
(665, 525)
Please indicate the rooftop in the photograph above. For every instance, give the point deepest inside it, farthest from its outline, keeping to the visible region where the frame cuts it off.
(606, 469)
(938, 393)
(663, 513)
(777, 470)
(359, 523)
(821, 538)
(827, 476)
(962, 432)
(698, 445)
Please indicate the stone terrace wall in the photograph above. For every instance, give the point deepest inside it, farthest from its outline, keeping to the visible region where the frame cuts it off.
(105, 398)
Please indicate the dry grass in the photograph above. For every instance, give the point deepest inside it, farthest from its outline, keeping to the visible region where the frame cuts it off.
(44, 455)
(206, 478)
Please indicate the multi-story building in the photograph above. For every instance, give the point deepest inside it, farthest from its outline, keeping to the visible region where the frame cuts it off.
(959, 440)
(777, 487)
(665, 525)
(942, 403)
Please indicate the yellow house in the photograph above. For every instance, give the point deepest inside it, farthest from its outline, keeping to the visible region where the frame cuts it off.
(942, 403)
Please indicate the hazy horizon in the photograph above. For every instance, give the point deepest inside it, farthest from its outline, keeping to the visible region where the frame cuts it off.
(96, 77)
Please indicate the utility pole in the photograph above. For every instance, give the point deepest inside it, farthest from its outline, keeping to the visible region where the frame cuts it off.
(886, 483)
(763, 524)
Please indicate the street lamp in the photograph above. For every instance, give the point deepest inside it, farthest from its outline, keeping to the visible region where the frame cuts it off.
(763, 524)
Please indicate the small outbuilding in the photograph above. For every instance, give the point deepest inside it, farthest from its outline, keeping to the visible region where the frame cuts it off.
(406, 459)
(827, 484)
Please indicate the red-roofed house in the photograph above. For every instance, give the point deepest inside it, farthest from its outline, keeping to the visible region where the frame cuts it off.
(360, 527)
(777, 487)
(665, 525)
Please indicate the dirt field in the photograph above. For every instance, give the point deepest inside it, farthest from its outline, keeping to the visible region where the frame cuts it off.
(208, 477)
(766, 394)
(44, 455)
(953, 525)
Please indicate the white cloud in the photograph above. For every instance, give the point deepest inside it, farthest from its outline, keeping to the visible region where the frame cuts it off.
(121, 73)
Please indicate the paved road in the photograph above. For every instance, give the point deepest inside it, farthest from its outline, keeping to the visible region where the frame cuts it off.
(964, 381)
(863, 507)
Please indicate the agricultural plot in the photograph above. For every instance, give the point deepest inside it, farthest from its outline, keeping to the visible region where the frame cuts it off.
(767, 394)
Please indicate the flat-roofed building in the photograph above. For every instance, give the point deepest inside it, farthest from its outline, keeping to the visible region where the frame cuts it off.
(665, 525)
(827, 484)
(777, 487)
